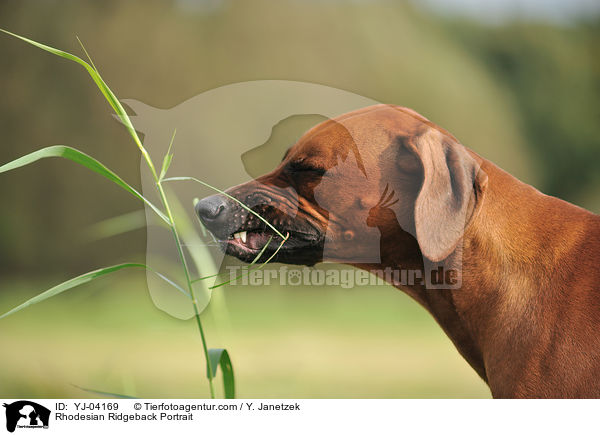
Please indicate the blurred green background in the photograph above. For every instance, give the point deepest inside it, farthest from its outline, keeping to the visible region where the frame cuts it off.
(523, 91)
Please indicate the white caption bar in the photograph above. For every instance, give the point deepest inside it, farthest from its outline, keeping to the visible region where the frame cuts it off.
(45, 417)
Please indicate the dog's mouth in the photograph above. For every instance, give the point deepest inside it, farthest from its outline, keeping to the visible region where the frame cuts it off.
(246, 242)
(253, 240)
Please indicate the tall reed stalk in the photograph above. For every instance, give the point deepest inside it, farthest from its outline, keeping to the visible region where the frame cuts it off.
(213, 357)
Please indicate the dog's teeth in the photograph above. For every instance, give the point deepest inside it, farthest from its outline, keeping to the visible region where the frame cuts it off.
(240, 236)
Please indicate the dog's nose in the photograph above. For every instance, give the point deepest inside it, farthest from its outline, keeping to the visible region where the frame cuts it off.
(211, 208)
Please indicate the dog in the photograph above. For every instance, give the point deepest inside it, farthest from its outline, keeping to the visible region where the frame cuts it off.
(524, 311)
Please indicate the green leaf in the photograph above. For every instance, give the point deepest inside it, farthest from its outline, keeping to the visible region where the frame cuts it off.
(104, 393)
(168, 158)
(83, 279)
(67, 285)
(86, 53)
(194, 249)
(168, 281)
(165, 166)
(108, 94)
(82, 159)
(259, 267)
(245, 272)
(116, 225)
(221, 357)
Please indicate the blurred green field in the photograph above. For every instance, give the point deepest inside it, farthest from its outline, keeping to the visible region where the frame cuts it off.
(370, 342)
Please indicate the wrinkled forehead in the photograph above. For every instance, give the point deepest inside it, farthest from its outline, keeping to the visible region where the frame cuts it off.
(367, 131)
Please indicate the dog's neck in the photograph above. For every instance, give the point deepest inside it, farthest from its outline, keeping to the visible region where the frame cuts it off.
(440, 303)
(505, 268)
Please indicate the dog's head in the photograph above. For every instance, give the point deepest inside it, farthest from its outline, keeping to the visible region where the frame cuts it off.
(382, 170)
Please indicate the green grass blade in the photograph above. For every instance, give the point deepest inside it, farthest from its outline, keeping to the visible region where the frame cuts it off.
(262, 251)
(168, 281)
(83, 279)
(82, 159)
(108, 94)
(259, 267)
(104, 393)
(220, 357)
(195, 251)
(67, 285)
(165, 166)
(168, 158)
(244, 206)
(86, 53)
(116, 225)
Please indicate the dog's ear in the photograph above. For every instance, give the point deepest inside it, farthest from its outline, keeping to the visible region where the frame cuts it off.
(450, 195)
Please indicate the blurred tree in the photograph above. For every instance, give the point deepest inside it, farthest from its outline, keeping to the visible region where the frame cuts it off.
(554, 75)
(506, 92)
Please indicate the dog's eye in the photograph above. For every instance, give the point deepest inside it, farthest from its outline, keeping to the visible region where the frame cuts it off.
(301, 166)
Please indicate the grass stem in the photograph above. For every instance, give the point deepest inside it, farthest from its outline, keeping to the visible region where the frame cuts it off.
(178, 243)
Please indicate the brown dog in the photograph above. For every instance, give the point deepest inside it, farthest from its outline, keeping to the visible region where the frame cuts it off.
(524, 307)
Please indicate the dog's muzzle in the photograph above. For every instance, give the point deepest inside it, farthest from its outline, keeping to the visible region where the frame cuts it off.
(243, 234)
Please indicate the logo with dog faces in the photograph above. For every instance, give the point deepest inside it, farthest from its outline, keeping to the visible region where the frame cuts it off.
(25, 414)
